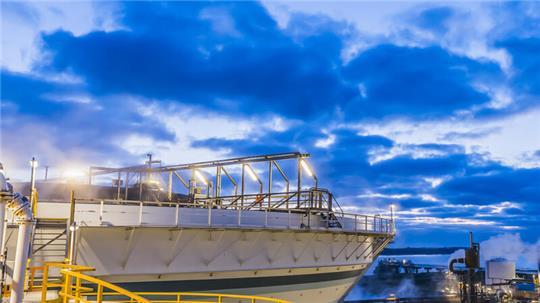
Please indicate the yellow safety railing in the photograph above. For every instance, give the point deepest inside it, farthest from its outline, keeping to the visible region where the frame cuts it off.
(194, 297)
(80, 288)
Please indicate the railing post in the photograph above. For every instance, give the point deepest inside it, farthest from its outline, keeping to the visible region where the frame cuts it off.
(140, 213)
(289, 219)
(77, 290)
(177, 215)
(44, 283)
(101, 212)
(365, 224)
(67, 287)
(265, 217)
(239, 215)
(209, 204)
(99, 297)
(355, 222)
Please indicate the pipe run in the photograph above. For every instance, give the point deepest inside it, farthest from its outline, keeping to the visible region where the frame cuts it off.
(22, 211)
(453, 262)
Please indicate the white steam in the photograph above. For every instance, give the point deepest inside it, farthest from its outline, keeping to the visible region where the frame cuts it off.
(511, 247)
(508, 246)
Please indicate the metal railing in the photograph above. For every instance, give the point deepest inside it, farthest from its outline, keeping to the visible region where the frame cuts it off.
(206, 212)
(78, 287)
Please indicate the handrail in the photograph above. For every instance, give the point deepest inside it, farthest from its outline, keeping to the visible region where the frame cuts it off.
(193, 297)
(78, 293)
(78, 287)
(280, 218)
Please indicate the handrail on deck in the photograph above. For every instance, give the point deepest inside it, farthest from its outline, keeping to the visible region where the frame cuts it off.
(277, 214)
(78, 287)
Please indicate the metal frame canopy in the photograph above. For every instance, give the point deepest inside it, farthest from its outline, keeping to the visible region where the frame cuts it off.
(205, 185)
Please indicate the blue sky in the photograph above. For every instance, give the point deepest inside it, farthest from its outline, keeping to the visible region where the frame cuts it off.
(430, 106)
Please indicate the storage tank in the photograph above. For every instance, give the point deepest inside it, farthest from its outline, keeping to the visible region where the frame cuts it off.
(500, 271)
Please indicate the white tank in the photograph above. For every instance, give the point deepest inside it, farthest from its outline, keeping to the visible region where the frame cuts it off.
(499, 271)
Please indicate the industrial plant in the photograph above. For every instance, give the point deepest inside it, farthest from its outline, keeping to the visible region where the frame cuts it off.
(249, 229)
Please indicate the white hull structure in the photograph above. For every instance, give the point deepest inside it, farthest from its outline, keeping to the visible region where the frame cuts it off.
(292, 252)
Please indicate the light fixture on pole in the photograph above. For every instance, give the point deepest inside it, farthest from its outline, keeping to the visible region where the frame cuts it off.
(306, 167)
(201, 177)
(253, 175)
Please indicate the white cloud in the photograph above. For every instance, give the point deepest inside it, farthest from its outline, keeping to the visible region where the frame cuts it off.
(189, 124)
(23, 22)
(515, 135)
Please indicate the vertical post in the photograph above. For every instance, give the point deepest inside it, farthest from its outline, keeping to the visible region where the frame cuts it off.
(71, 207)
(140, 212)
(101, 204)
(90, 176)
(177, 215)
(44, 283)
(217, 190)
(270, 167)
(149, 173)
(33, 163)
(71, 227)
(365, 217)
(243, 185)
(118, 185)
(209, 204)
(99, 297)
(46, 172)
(140, 186)
(3, 227)
(71, 255)
(126, 186)
(239, 215)
(299, 182)
(77, 290)
(289, 219)
(169, 189)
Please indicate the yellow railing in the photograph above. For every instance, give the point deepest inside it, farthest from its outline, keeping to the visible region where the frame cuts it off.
(80, 288)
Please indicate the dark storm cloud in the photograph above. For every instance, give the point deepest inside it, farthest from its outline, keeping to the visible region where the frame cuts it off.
(409, 80)
(520, 185)
(232, 57)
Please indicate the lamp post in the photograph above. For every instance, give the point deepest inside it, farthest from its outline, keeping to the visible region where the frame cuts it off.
(33, 164)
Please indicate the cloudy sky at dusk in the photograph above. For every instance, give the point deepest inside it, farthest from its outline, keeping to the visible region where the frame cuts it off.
(431, 106)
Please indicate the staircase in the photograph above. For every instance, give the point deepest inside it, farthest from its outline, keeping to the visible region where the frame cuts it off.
(49, 243)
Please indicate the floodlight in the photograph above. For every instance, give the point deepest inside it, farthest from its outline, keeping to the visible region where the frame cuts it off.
(201, 178)
(33, 163)
(251, 173)
(306, 167)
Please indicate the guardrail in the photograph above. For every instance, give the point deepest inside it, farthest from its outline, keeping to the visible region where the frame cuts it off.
(78, 287)
(133, 213)
(311, 209)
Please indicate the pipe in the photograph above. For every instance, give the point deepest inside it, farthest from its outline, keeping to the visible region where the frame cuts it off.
(22, 211)
(21, 208)
(5, 195)
(454, 261)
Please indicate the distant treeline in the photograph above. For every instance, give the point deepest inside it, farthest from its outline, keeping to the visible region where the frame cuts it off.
(420, 251)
